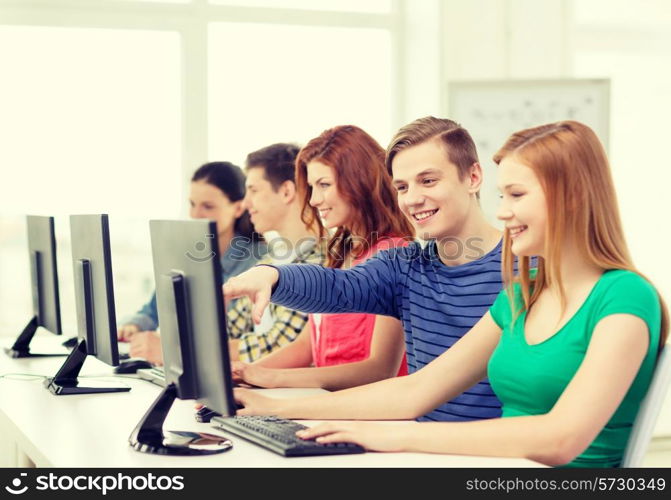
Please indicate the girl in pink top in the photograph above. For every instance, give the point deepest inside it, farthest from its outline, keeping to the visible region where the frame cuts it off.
(347, 193)
(346, 338)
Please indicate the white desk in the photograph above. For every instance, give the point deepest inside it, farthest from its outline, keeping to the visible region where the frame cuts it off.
(92, 430)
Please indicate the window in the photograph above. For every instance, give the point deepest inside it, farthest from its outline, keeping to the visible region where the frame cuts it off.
(292, 82)
(108, 106)
(90, 123)
(333, 5)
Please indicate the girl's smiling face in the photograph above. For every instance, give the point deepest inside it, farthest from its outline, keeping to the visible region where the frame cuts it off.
(334, 210)
(523, 207)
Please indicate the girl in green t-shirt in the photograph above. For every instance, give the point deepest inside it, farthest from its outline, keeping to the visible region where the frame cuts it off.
(569, 347)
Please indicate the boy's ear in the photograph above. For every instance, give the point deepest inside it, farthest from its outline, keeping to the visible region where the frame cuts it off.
(475, 178)
(288, 191)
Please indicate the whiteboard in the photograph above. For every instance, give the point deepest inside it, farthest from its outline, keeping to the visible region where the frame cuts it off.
(492, 110)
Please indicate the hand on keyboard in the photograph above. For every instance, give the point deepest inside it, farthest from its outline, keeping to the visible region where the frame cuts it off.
(253, 375)
(253, 403)
(372, 436)
(279, 436)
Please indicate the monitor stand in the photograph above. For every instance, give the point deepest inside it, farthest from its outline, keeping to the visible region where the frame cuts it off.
(21, 347)
(149, 436)
(65, 381)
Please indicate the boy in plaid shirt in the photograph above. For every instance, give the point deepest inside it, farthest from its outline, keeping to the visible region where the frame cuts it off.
(273, 205)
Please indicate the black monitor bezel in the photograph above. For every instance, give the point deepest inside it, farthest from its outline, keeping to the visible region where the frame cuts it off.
(96, 228)
(92, 270)
(186, 367)
(39, 229)
(46, 305)
(192, 386)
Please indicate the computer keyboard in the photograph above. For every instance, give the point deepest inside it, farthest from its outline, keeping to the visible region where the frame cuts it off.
(155, 375)
(279, 435)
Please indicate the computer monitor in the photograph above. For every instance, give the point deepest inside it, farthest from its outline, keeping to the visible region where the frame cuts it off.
(94, 300)
(190, 307)
(44, 286)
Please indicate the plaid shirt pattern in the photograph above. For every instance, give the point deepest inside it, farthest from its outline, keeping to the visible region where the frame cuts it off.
(287, 323)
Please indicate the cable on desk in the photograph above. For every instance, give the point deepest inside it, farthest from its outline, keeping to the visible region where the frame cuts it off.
(30, 377)
(111, 378)
(23, 377)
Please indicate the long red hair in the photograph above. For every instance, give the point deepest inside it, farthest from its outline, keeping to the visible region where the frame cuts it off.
(362, 180)
(572, 167)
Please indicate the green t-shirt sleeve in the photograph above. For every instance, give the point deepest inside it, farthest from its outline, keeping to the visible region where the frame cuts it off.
(632, 294)
(500, 309)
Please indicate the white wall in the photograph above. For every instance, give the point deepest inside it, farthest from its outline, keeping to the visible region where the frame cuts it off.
(420, 82)
(496, 39)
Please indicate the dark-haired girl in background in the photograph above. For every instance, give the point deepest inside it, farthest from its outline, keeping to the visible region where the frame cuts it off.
(217, 191)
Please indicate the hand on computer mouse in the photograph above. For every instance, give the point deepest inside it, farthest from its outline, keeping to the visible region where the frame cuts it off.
(147, 345)
(257, 284)
(132, 366)
(126, 332)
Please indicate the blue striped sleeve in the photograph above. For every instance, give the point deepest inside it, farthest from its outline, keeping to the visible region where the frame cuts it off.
(367, 288)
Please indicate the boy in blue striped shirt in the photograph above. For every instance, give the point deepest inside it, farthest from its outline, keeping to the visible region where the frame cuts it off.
(438, 291)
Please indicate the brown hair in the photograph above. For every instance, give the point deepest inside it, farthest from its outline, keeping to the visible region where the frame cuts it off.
(572, 167)
(277, 161)
(361, 179)
(456, 140)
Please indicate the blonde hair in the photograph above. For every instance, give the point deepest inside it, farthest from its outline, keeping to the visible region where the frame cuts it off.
(572, 167)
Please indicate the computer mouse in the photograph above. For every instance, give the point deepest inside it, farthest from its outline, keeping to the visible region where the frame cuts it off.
(204, 414)
(132, 366)
(71, 343)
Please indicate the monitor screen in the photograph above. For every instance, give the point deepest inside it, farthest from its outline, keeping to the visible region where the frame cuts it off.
(44, 287)
(94, 291)
(190, 307)
(94, 301)
(44, 272)
(191, 313)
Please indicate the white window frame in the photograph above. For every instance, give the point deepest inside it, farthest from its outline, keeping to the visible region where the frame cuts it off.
(191, 21)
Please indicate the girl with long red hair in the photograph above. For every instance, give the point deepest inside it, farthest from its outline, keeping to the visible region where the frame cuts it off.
(346, 189)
